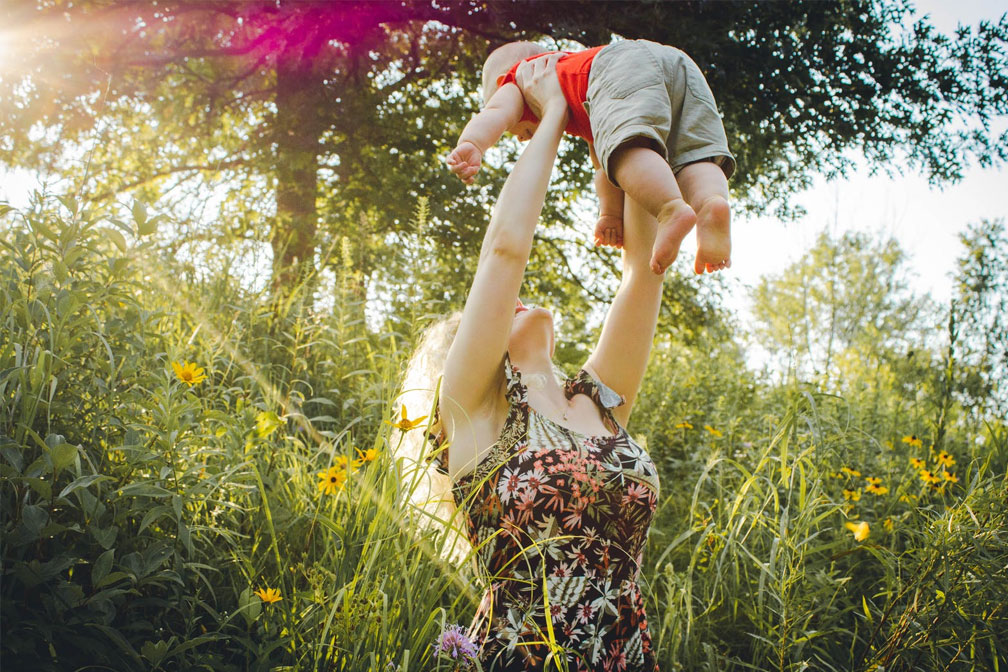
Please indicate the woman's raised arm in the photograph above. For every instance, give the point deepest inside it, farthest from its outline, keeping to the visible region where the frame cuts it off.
(473, 375)
(621, 354)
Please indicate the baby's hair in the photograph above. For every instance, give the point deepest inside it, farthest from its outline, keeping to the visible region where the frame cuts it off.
(500, 61)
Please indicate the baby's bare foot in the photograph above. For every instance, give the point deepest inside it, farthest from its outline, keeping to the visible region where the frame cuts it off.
(609, 231)
(713, 236)
(675, 220)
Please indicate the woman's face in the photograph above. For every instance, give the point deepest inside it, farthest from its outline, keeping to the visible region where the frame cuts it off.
(531, 329)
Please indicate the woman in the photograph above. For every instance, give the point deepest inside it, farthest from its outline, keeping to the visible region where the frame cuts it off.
(558, 497)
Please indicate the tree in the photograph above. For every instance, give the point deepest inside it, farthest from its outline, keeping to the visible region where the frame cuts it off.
(302, 123)
(846, 297)
(979, 318)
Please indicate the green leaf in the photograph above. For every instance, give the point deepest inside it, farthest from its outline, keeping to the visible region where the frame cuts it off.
(63, 456)
(139, 212)
(104, 536)
(267, 422)
(115, 237)
(83, 482)
(101, 567)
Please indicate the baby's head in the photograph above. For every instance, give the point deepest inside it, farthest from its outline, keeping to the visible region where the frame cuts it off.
(500, 61)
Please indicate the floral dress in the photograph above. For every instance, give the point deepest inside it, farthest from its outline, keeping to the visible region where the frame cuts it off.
(548, 506)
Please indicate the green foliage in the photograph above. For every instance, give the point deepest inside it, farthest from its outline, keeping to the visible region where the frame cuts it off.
(172, 444)
(303, 123)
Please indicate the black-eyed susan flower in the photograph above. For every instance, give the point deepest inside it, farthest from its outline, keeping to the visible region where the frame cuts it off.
(876, 489)
(332, 480)
(944, 459)
(189, 373)
(929, 477)
(851, 472)
(888, 524)
(860, 530)
(714, 432)
(917, 463)
(269, 595)
(404, 424)
(852, 495)
(950, 477)
(684, 425)
(873, 480)
(912, 441)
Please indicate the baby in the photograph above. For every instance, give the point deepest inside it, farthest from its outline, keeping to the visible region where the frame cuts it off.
(653, 131)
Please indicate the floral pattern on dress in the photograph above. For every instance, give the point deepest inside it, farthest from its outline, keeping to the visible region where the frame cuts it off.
(547, 505)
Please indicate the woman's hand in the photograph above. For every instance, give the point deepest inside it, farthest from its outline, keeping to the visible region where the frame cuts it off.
(539, 84)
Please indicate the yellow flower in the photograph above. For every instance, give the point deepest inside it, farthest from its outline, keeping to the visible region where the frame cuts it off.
(851, 472)
(404, 423)
(944, 459)
(269, 595)
(950, 477)
(912, 440)
(887, 524)
(333, 479)
(189, 373)
(713, 431)
(928, 477)
(876, 489)
(860, 530)
(874, 480)
(367, 456)
(853, 495)
(684, 425)
(917, 463)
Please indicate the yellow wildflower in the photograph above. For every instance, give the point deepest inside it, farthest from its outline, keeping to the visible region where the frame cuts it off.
(714, 432)
(876, 489)
(333, 479)
(888, 524)
(684, 425)
(874, 480)
(404, 423)
(367, 456)
(860, 530)
(944, 459)
(917, 463)
(189, 373)
(929, 477)
(851, 472)
(950, 477)
(853, 495)
(269, 595)
(913, 441)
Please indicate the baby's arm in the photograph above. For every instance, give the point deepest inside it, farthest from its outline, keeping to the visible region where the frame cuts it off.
(609, 228)
(502, 111)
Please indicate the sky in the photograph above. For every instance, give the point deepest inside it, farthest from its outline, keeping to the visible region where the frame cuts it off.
(926, 221)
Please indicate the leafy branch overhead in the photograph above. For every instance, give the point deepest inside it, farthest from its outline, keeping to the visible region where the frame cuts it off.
(301, 120)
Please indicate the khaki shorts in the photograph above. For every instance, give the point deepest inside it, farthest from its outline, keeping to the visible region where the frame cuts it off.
(642, 89)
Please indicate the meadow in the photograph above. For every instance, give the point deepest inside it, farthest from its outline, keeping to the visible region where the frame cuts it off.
(198, 476)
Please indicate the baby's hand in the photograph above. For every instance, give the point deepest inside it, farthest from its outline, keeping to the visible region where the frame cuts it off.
(465, 161)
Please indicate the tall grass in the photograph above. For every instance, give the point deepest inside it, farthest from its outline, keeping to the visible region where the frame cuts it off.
(140, 514)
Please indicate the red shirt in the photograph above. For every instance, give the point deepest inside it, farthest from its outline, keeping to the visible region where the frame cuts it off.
(572, 71)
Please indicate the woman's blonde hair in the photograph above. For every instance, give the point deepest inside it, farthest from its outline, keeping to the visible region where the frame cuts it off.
(429, 499)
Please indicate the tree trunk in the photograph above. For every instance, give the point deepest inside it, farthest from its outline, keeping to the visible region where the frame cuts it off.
(297, 130)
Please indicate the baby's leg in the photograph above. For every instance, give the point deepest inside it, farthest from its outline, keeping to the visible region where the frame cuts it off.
(609, 228)
(648, 179)
(706, 189)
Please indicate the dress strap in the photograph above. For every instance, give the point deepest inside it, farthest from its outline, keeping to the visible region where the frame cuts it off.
(515, 389)
(604, 396)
